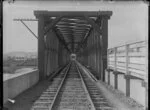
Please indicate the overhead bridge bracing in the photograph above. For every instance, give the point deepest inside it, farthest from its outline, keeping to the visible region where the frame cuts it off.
(62, 33)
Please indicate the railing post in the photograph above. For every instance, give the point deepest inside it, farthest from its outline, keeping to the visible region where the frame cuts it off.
(108, 77)
(115, 59)
(115, 69)
(46, 60)
(107, 58)
(146, 76)
(127, 72)
(127, 58)
(108, 72)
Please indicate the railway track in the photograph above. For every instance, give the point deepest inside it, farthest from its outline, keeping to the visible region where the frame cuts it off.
(72, 94)
(72, 90)
(45, 100)
(97, 97)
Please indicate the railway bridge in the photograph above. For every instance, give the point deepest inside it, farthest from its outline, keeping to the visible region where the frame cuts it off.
(77, 71)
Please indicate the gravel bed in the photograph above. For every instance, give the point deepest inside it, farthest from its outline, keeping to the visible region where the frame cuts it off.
(121, 96)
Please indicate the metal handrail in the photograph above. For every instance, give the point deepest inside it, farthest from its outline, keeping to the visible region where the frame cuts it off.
(127, 51)
(127, 44)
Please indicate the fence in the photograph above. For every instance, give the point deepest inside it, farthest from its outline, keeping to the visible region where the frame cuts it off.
(130, 59)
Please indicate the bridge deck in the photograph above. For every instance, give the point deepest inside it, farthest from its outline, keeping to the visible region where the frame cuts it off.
(25, 100)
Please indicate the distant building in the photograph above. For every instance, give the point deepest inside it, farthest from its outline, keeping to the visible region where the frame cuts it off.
(20, 58)
(33, 56)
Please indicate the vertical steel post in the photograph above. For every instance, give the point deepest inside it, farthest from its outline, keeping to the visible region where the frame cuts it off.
(97, 64)
(41, 48)
(100, 57)
(105, 44)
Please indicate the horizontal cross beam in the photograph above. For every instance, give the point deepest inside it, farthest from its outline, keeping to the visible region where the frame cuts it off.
(61, 39)
(72, 13)
(84, 39)
(23, 19)
(74, 43)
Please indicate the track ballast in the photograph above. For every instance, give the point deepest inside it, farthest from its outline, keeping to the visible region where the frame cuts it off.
(72, 90)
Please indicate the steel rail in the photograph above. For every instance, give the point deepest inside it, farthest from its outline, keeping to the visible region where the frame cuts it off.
(86, 90)
(91, 75)
(61, 84)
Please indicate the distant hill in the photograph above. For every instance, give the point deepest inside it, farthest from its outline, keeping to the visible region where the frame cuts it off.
(19, 54)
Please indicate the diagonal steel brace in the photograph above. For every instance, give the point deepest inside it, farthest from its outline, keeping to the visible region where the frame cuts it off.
(28, 29)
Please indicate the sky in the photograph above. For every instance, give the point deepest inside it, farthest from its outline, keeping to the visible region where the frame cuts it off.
(128, 23)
